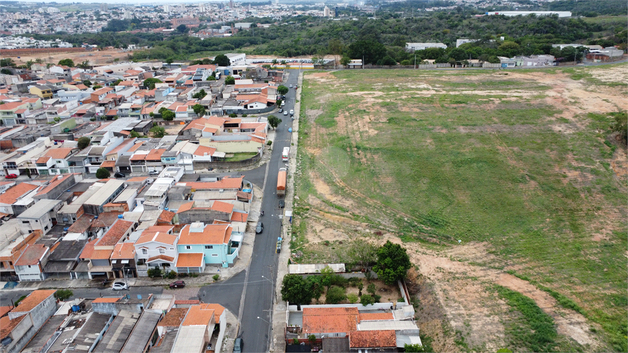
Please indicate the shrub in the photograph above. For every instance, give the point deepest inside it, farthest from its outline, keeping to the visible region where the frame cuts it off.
(367, 299)
(154, 272)
(63, 294)
(371, 288)
(102, 173)
(335, 295)
(353, 298)
(171, 275)
(244, 115)
(269, 142)
(216, 277)
(295, 341)
(233, 115)
(19, 300)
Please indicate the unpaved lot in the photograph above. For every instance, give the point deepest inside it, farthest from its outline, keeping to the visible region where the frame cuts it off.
(495, 178)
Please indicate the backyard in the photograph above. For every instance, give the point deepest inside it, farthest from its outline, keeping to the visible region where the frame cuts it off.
(507, 188)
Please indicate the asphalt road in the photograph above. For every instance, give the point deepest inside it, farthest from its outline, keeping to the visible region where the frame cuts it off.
(8, 297)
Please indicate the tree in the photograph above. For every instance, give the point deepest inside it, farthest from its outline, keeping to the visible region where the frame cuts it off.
(229, 80)
(154, 272)
(102, 173)
(296, 290)
(5, 71)
(222, 60)
(134, 134)
(200, 94)
(116, 82)
(274, 121)
(367, 299)
(371, 50)
(87, 83)
(158, 131)
(387, 60)
(335, 295)
(63, 294)
(84, 65)
(7, 62)
(508, 49)
(29, 64)
(282, 89)
(182, 29)
(150, 82)
(392, 263)
(362, 253)
(413, 347)
(371, 289)
(83, 142)
(211, 78)
(66, 62)
(353, 298)
(274, 62)
(199, 110)
(345, 60)
(166, 114)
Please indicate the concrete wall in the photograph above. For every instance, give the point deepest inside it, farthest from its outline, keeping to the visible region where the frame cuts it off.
(61, 188)
(227, 165)
(202, 215)
(231, 146)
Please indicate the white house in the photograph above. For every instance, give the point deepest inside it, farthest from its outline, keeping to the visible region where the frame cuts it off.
(156, 247)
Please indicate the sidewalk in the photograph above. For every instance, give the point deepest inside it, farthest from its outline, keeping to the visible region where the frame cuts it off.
(241, 263)
(278, 343)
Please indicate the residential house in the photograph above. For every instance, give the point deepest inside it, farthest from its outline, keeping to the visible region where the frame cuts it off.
(109, 192)
(41, 216)
(64, 257)
(144, 334)
(54, 161)
(99, 251)
(22, 322)
(217, 242)
(58, 186)
(123, 260)
(202, 211)
(198, 329)
(10, 196)
(156, 247)
(10, 112)
(41, 91)
(30, 265)
(13, 243)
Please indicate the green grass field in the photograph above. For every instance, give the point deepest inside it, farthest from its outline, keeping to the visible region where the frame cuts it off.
(478, 156)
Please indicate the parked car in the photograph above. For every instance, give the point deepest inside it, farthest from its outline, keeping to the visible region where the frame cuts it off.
(153, 172)
(278, 247)
(281, 110)
(282, 204)
(259, 228)
(11, 176)
(291, 112)
(119, 175)
(290, 85)
(177, 284)
(285, 113)
(120, 286)
(237, 345)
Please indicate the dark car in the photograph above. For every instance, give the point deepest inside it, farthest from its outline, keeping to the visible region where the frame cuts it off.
(11, 176)
(237, 345)
(177, 284)
(259, 228)
(119, 175)
(278, 247)
(282, 204)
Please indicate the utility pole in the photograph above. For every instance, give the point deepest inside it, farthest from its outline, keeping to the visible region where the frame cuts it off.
(415, 60)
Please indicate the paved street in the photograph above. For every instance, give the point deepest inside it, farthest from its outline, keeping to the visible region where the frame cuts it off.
(7, 297)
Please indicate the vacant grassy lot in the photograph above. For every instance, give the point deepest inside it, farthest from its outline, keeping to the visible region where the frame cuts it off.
(490, 178)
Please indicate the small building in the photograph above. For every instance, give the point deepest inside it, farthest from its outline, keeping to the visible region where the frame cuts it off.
(41, 216)
(30, 266)
(23, 321)
(217, 242)
(422, 46)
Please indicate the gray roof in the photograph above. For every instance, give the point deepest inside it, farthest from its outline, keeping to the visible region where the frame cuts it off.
(67, 250)
(39, 209)
(124, 161)
(142, 332)
(118, 332)
(336, 344)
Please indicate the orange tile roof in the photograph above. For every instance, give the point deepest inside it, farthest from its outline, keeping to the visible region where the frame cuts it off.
(137, 179)
(155, 154)
(33, 299)
(197, 315)
(136, 146)
(11, 105)
(123, 251)
(373, 339)
(376, 316)
(189, 301)
(108, 164)
(42, 160)
(32, 255)
(201, 150)
(186, 207)
(218, 309)
(56, 182)
(190, 260)
(4, 310)
(239, 217)
(105, 300)
(13, 193)
(158, 237)
(174, 317)
(7, 325)
(88, 250)
(115, 233)
(222, 207)
(58, 153)
(160, 257)
(162, 229)
(101, 254)
(166, 216)
(225, 183)
(82, 224)
(329, 320)
(211, 234)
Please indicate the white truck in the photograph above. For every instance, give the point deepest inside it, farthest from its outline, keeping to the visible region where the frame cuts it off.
(285, 155)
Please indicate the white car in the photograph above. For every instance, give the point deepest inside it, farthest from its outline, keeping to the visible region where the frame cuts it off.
(119, 286)
(291, 112)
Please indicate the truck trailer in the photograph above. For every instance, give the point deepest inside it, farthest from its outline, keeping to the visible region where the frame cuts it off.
(281, 182)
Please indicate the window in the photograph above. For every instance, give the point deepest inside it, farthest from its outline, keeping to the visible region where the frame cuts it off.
(187, 247)
(25, 222)
(214, 255)
(144, 252)
(162, 251)
(209, 247)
